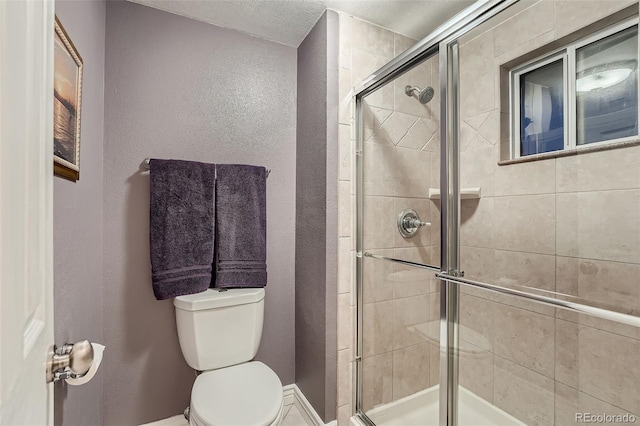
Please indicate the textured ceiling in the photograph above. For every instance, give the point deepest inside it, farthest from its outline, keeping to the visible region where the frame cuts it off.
(289, 21)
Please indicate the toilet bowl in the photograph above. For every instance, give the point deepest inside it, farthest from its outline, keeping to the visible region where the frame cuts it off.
(219, 333)
(248, 394)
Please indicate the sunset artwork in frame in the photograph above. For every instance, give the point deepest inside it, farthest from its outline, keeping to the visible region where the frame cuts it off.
(67, 102)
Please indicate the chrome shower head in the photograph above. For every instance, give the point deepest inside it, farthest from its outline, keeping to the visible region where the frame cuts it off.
(424, 95)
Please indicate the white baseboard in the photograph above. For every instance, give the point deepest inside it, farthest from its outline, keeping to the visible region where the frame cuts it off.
(293, 395)
(288, 393)
(178, 420)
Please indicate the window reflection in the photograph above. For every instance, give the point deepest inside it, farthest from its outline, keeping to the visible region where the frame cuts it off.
(542, 109)
(607, 88)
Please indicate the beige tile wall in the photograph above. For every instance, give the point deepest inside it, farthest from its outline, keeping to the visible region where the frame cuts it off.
(398, 149)
(346, 244)
(569, 224)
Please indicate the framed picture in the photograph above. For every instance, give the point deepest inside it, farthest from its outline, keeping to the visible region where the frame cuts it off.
(67, 104)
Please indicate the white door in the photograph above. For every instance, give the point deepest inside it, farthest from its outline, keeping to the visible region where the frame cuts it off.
(26, 210)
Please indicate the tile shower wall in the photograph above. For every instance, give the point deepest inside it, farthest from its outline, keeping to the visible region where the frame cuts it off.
(401, 156)
(568, 224)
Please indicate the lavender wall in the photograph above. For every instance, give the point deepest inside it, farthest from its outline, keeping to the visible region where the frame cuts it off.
(316, 215)
(78, 221)
(177, 88)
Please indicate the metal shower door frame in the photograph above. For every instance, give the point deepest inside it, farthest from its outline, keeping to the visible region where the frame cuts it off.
(445, 42)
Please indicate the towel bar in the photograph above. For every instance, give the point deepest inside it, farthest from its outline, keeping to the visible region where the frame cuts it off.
(146, 165)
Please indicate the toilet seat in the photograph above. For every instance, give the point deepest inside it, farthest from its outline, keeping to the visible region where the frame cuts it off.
(247, 394)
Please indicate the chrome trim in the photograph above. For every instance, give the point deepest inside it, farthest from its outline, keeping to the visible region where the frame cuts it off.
(362, 416)
(404, 262)
(359, 152)
(409, 223)
(450, 219)
(444, 245)
(580, 308)
(592, 308)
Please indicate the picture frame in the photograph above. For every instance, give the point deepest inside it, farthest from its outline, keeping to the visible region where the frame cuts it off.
(67, 105)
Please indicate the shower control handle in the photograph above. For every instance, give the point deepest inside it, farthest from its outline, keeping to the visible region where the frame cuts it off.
(409, 223)
(412, 222)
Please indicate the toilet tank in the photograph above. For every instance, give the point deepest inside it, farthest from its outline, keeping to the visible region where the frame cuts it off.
(217, 329)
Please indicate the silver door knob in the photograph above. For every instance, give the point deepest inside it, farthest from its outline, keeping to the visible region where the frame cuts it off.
(69, 361)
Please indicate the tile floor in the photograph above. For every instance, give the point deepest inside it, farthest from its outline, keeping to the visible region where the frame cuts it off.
(292, 417)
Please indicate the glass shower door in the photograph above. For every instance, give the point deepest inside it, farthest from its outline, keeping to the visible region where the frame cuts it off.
(400, 239)
(535, 317)
(549, 243)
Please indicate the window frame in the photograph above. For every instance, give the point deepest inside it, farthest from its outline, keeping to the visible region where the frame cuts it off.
(515, 89)
(568, 56)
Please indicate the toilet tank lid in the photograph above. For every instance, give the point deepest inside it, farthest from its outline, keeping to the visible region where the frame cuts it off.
(213, 298)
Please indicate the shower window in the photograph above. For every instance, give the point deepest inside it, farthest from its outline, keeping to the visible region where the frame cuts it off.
(607, 88)
(541, 111)
(583, 94)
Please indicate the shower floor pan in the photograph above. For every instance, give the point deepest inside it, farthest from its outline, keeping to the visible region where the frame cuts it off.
(421, 409)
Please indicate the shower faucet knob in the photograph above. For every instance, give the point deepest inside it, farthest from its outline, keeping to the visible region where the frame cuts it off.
(414, 222)
(409, 223)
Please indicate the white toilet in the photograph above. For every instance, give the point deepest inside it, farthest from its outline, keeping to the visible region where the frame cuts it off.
(219, 333)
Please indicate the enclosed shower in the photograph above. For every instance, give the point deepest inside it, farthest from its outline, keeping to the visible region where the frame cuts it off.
(497, 225)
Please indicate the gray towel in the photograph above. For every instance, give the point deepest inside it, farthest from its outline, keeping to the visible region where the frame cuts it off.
(181, 226)
(241, 226)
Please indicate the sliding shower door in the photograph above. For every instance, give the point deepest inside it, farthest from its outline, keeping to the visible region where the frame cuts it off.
(520, 302)
(400, 239)
(550, 208)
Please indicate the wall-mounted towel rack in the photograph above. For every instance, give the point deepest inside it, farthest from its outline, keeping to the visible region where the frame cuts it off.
(146, 162)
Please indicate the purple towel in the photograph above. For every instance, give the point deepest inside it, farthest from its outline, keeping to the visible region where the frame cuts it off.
(181, 226)
(241, 226)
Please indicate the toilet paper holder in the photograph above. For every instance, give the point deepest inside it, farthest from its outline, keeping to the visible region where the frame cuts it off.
(69, 361)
